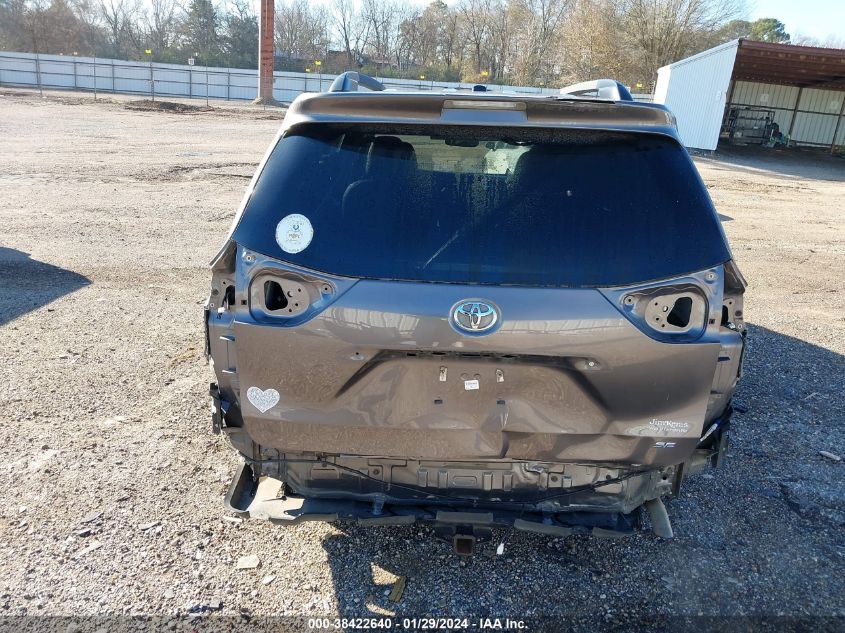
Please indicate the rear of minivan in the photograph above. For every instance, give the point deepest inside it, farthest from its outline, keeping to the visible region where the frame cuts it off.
(474, 315)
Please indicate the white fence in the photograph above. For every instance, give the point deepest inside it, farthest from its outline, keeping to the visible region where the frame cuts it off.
(174, 80)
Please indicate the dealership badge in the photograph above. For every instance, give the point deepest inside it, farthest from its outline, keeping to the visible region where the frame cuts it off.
(294, 233)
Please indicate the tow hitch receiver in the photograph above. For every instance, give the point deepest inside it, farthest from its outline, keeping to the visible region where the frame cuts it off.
(464, 530)
(463, 544)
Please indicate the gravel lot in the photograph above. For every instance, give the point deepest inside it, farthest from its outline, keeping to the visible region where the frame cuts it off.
(111, 481)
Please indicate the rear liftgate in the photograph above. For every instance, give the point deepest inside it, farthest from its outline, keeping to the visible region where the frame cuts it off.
(327, 367)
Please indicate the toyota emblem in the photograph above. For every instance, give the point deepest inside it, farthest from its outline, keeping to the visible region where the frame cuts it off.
(474, 317)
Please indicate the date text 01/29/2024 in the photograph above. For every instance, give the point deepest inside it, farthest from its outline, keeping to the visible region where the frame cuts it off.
(419, 624)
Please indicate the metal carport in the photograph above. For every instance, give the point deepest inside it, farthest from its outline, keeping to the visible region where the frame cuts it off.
(798, 91)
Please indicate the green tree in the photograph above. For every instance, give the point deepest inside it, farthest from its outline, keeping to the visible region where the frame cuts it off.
(202, 32)
(769, 30)
(240, 41)
(733, 30)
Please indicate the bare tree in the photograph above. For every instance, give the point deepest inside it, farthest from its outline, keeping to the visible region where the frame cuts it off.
(430, 25)
(539, 32)
(161, 21)
(35, 22)
(121, 18)
(833, 41)
(664, 31)
(14, 34)
(451, 43)
(500, 20)
(382, 17)
(88, 16)
(302, 31)
(591, 46)
(419, 33)
(351, 29)
(519, 41)
(409, 42)
(47, 26)
(476, 28)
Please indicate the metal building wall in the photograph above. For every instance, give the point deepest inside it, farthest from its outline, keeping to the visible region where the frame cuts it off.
(695, 90)
(808, 115)
(840, 133)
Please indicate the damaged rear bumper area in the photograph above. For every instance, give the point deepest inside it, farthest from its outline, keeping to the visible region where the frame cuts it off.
(461, 523)
(553, 499)
(463, 500)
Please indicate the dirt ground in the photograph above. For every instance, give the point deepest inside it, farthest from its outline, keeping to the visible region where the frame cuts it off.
(111, 481)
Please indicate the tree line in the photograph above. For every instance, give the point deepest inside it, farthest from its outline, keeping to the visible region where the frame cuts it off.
(526, 42)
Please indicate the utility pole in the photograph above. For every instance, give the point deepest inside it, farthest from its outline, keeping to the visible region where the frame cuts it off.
(38, 74)
(149, 54)
(265, 54)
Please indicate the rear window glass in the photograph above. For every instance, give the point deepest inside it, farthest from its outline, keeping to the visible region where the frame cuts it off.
(484, 205)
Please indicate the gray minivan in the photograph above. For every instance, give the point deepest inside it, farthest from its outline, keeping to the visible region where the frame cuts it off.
(476, 310)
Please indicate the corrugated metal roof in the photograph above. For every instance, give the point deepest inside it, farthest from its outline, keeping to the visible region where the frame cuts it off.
(788, 64)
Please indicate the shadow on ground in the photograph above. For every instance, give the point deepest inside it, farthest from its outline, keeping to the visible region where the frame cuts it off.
(27, 284)
(788, 162)
(763, 535)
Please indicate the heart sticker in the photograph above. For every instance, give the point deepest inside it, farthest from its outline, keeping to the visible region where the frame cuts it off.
(262, 399)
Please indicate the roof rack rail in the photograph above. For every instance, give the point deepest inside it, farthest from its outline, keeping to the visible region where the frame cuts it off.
(350, 80)
(600, 88)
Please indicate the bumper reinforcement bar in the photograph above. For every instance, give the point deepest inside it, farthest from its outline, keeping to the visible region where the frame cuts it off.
(265, 498)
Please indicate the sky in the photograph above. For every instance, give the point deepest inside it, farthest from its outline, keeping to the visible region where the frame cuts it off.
(816, 18)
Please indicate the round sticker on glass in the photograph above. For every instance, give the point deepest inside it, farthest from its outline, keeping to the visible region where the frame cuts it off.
(294, 233)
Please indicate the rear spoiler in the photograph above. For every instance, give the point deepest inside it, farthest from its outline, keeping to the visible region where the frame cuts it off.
(600, 88)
